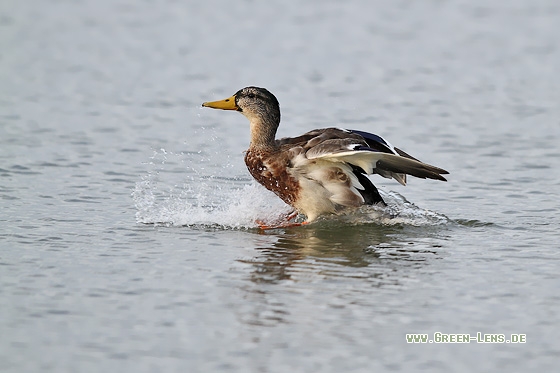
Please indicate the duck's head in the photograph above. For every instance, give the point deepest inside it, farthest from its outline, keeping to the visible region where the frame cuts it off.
(257, 104)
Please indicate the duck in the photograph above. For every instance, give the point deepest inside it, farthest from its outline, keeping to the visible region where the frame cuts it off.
(324, 171)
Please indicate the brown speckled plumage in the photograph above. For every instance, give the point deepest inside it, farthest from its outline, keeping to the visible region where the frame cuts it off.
(271, 171)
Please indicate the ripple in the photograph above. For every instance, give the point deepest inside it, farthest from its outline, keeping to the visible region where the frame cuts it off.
(80, 200)
(474, 223)
(58, 312)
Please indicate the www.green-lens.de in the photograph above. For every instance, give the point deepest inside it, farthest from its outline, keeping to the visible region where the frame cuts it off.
(466, 338)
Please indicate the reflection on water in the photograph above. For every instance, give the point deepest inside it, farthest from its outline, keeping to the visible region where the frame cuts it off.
(364, 251)
(350, 265)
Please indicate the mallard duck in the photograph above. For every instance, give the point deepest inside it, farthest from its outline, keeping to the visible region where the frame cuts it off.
(322, 171)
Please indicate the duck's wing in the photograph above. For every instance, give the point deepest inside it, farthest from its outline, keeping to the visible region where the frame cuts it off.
(370, 152)
(389, 164)
(315, 137)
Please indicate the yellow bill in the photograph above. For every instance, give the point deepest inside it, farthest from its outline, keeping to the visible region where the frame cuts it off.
(227, 104)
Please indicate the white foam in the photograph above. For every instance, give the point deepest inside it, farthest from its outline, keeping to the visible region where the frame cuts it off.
(202, 205)
(401, 211)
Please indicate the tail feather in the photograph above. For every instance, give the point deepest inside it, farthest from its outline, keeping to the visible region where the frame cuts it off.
(369, 193)
(413, 168)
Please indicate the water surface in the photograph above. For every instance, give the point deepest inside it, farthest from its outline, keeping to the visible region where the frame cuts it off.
(128, 238)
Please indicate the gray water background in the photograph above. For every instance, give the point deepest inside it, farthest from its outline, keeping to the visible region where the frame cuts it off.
(101, 132)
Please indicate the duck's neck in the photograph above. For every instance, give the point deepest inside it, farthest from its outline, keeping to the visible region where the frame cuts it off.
(262, 135)
(263, 130)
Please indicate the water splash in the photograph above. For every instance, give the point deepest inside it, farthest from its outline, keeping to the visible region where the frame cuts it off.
(208, 207)
(192, 189)
(211, 201)
(399, 211)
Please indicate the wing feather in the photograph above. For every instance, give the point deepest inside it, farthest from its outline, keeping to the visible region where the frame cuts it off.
(371, 153)
(395, 164)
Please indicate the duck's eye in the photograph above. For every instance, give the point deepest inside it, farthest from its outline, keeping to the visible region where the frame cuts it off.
(251, 95)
